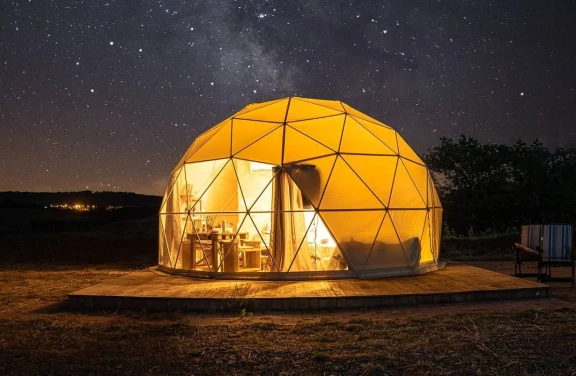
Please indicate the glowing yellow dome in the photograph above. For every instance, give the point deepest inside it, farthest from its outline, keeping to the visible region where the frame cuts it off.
(300, 188)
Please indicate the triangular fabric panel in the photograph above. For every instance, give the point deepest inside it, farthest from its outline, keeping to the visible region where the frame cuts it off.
(357, 139)
(245, 132)
(312, 176)
(385, 134)
(438, 231)
(435, 199)
(409, 225)
(430, 191)
(426, 254)
(201, 140)
(217, 147)
(354, 231)
(334, 105)
(361, 115)
(377, 172)
(255, 185)
(419, 176)
(298, 146)
(327, 131)
(345, 190)
(405, 195)
(256, 106)
(266, 150)
(275, 112)
(406, 151)
(388, 251)
(300, 110)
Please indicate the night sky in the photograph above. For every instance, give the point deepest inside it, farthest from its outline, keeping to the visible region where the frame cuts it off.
(107, 95)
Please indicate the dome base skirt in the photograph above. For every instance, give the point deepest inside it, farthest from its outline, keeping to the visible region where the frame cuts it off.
(303, 276)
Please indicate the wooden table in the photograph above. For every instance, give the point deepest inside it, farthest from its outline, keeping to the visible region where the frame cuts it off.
(217, 240)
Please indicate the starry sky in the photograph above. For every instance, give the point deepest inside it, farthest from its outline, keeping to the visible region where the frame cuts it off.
(107, 95)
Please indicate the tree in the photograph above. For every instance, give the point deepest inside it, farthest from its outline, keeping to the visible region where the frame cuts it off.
(495, 186)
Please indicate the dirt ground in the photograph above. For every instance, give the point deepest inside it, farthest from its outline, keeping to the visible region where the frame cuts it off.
(39, 335)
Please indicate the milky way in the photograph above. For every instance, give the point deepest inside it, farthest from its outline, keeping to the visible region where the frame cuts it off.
(108, 95)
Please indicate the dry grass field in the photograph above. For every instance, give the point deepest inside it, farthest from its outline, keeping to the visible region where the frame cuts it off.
(40, 336)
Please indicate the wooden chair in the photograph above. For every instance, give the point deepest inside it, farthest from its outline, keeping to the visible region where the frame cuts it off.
(549, 245)
(525, 254)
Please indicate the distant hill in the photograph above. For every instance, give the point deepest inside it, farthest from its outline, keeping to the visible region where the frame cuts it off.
(30, 212)
(34, 199)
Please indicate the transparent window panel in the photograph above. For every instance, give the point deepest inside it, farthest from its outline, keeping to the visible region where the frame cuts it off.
(345, 190)
(221, 244)
(248, 250)
(164, 245)
(197, 251)
(300, 109)
(356, 139)
(298, 146)
(222, 195)
(199, 177)
(377, 172)
(288, 234)
(311, 177)
(173, 176)
(320, 246)
(384, 133)
(409, 225)
(176, 201)
(288, 226)
(266, 150)
(405, 195)
(327, 131)
(261, 236)
(255, 183)
(354, 232)
(246, 132)
(388, 250)
(174, 226)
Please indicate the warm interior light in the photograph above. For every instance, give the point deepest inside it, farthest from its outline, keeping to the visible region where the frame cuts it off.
(257, 166)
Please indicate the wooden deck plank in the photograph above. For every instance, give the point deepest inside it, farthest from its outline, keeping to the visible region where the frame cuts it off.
(456, 282)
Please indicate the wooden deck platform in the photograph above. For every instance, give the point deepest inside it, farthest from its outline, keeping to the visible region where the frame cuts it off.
(152, 290)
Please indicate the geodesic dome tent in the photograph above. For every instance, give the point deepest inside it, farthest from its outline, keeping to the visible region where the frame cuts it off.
(300, 188)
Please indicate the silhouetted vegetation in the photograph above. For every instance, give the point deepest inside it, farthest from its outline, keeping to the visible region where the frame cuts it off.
(497, 188)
